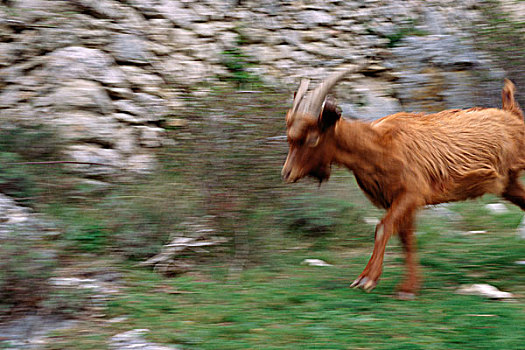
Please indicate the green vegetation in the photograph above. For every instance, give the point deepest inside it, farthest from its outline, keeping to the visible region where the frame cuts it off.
(281, 304)
(407, 29)
(17, 179)
(253, 292)
(239, 65)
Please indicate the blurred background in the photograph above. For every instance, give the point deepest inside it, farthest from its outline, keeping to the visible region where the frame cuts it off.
(141, 205)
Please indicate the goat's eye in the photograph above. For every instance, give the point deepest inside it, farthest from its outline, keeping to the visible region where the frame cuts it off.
(295, 142)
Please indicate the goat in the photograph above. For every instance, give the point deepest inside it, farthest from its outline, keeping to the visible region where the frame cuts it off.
(406, 161)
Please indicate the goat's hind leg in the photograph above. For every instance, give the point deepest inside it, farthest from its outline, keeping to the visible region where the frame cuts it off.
(514, 192)
(410, 285)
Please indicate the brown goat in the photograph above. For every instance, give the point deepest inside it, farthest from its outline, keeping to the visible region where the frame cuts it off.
(405, 161)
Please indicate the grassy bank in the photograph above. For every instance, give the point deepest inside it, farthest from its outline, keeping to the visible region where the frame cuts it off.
(277, 303)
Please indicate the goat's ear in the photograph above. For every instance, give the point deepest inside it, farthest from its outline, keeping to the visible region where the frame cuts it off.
(330, 114)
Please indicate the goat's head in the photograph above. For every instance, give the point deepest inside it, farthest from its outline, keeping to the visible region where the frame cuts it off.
(309, 125)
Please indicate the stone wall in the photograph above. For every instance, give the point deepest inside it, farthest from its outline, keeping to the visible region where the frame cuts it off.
(108, 72)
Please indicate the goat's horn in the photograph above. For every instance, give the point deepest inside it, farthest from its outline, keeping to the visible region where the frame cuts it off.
(301, 91)
(314, 101)
(319, 94)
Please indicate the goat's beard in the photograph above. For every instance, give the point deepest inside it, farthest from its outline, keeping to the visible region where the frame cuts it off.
(321, 175)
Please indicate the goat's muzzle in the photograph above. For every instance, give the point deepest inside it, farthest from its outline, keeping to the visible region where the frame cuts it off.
(286, 175)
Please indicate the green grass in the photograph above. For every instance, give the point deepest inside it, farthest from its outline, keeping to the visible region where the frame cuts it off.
(298, 307)
(281, 304)
(224, 168)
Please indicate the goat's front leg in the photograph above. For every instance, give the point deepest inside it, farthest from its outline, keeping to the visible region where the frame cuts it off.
(401, 212)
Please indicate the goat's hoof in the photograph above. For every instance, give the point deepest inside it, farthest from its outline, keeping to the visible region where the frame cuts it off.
(369, 285)
(405, 295)
(359, 282)
(365, 283)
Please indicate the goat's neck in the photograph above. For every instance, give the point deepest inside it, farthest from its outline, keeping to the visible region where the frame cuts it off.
(358, 146)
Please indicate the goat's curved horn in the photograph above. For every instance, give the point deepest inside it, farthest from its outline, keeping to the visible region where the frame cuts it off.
(301, 91)
(312, 103)
(319, 94)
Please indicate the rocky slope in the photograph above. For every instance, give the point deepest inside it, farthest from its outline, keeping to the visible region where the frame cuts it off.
(107, 73)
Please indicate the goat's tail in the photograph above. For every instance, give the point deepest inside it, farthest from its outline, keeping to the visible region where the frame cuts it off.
(509, 103)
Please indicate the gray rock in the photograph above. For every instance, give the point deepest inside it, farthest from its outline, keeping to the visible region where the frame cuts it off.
(129, 108)
(180, 38)
(93, 37)
(439, 72)
(26, 12)
(21, 221)
(82, 94)
(209, 52)
(208, 29)
(134, 340)
(377, 107)
(102, 161)
(11, 213)
(158, 49)
(144, 108)
(120, 93)
(154, 106)
(106, 9)
(126, 117)
(84, 63)
(484, 290)
(7, 54)
(87, 126)
(150, 137)
(442, 211)
(126, 141)
(10, 97)
(497, 208)
(141, 164)
(53, 37)
(92, 284)
(253, 35)
(369, 100)
(142, 79)
(315, 262)
(129, 48)
(178, 14)
(146, 7)
(209, 13)
(315, 18)
(31, 332)
(183, 70)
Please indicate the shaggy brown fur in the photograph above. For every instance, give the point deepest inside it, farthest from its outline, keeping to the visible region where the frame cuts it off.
(405, 161)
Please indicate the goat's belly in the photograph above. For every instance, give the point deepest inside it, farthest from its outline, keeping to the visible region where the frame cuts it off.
(473, 184)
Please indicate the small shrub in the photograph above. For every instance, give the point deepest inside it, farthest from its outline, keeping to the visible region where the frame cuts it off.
(408, 29)
(90, 237)
(24, 270)
(15, 179)
(20, 144)
(236, 62)
(31, 142)
(314, 216)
